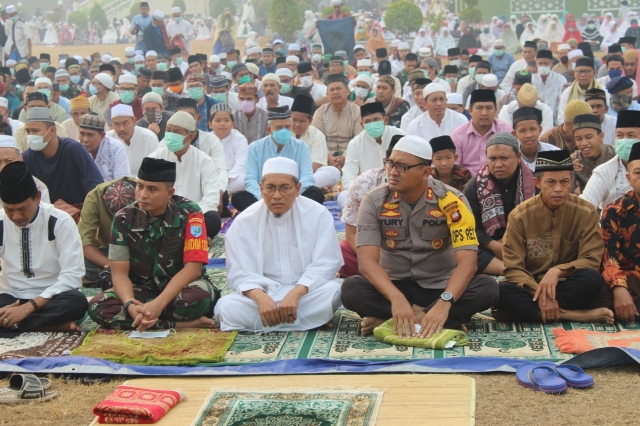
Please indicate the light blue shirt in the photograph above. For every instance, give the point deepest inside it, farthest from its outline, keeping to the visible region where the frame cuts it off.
(500, 65)
(263, 149)
(66, 105)
(633, 107)
(143, 22)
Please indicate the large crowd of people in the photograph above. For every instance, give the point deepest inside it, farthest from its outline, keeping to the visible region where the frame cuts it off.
(467, 180)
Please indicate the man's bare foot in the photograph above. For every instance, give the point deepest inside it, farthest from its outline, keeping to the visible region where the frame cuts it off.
(327, 326)
(599, 315)
(66, 327)
(202, 322)
(368, 324)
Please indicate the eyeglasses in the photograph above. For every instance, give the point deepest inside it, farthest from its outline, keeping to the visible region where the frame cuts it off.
(283, 189)
(583, 72)
(401, 168)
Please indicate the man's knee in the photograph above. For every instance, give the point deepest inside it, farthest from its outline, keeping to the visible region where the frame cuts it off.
(212, 223)
(76, 303)
(200, 296)
(351, 290)
(590, 280)
(488, 289)
(105, 308)
(314, 193)
(242, 200)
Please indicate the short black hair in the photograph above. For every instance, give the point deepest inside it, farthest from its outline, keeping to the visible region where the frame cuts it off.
(411, 57)
(484, 65)
(614, 58)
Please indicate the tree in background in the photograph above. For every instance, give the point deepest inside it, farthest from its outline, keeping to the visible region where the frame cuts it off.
(181, 4)
(285, 18)
(97, 15)
(79, 18)
(135, 9)
(403, 15)
(470, 14)
(55, 15)
(216, 7)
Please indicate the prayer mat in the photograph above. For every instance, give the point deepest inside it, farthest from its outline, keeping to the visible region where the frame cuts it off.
(446, 339)
(449, 400)
(216, 248)
(309, 408)
(578, 341)
(226, 223)
(35, 345)
(184, 347)
(131, 405)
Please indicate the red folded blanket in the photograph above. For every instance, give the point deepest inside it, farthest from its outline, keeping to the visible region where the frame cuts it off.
(129, 405)
(578, 341)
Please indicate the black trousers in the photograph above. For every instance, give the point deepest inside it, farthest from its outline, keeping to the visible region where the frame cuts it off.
(578, 291)
(361, 297)
(243, 199)
(68, 306)
(212, 223)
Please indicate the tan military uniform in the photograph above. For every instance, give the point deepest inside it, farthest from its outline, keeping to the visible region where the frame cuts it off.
(417, 243)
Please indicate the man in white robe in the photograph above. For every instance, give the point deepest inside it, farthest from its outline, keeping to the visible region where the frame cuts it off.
(42, 262)
(438, 120)
(180, 29)
(282, 258)
(138, 142)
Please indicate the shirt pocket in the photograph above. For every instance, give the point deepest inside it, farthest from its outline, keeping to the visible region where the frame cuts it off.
(569, 249)
(435, 239)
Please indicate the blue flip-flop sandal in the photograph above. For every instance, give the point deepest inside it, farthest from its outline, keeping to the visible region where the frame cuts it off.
(541, 378)
(573, 375)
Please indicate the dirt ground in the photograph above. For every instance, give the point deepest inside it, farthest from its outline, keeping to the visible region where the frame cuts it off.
(614, 400)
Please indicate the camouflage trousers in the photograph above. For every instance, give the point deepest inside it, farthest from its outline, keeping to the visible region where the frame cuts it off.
(194, 301)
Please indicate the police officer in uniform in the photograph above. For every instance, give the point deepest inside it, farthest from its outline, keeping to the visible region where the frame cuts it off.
(417, 251)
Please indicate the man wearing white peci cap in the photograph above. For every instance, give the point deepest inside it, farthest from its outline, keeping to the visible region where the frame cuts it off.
(18, 45)
(102, 94)
(6, 116)
(438, 120)
(180, 30)
(139, 142)
(128, 93)
(282, 258)
(271, 87)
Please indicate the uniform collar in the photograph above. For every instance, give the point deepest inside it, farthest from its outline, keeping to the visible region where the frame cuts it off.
(171, 218)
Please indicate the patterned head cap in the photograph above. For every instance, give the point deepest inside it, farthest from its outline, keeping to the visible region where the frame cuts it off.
(118, 195)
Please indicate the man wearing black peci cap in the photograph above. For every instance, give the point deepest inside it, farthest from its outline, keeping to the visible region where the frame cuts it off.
(527, 127)
(158, 250)
(620, 263)
(528, 55)
(45, 62)
(268, 62)
(144, 81)
(301, 116)
(548, 83)
(42, 262)
(591, 152)
(597, 100)
(552, 250)
(317, 90)
(585, 79)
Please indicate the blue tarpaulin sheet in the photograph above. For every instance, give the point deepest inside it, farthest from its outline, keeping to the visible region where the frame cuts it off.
(602, 357)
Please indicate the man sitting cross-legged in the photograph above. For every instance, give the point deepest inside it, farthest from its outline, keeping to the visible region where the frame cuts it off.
(621, 263)
(282, 257)
(158, 250)
(41, 256)
(417, 251)
(552, 250)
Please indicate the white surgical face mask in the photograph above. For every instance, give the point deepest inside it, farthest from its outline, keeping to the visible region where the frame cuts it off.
(544, 70)
(455, 62)
(361, 92)
(306, 81)
(36, 142)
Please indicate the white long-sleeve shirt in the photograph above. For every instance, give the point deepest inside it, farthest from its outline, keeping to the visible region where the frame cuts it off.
(196, 177)
(112, 160)
(317, 145)
(506, 114)
(236, 150)
(185, 28)
(549, 91)
(607, 183)
(364, 154)
(518, 65)
(142, 143)
(32, 265)
(428, 129)
(408, 117)
(282, 101)
(209, 143)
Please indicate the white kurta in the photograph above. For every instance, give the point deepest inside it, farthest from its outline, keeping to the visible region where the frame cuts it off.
(282, 101)
(406, 119)
(364, 153)
(275, 255)
(317, 145)
(112, 160)
(55, 266)
(518, 65)
(196, 177)
(318, 91)
(185, 28)
(142, 143)
(607, 183)
(609, 129)
(549, 91)
(506, 114)
(428, 129)
(70, 127)
(236, 150)
(209, 143)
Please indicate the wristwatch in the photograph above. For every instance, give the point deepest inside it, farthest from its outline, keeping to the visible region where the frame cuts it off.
(447, 297)
(126, 305)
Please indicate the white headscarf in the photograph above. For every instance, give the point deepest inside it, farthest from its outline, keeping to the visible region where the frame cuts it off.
(309, 21)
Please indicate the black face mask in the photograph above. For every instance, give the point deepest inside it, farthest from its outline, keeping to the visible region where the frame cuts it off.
(564, 60)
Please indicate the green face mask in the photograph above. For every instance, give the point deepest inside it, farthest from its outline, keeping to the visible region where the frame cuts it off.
(44, 66)
(161, 66)
(130, 60)
(375, 129)
(196, 93)
(173, 141)
(14, 18)
(126, 96)
(623, 147)
(472, 72)
(138, 66)
(244, 79)
(285, 88)
(219, 97)
(46, 92)
(158, 90)
(345, 63)
(179, 61)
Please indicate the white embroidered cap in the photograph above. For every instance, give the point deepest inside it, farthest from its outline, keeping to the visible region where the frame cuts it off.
(121, 110)
(415, 145)
(576, 54)
(432, 88)
(280, 165)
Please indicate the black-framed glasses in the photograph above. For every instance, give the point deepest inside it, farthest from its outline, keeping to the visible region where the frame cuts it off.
(283, 189)
(401, 168)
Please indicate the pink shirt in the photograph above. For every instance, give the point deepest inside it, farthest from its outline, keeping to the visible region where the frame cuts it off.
(471, 146)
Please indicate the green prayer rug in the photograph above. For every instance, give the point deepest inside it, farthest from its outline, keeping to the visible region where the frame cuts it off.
(187, 346)
(216, 248)
(294, 408)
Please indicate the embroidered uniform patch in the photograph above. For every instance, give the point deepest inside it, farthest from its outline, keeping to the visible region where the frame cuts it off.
(391, 213)
(391, 244)
(436, 213)
(391, 234)
(429, 194)
(196, 230)
(391, 206)
(437, 243)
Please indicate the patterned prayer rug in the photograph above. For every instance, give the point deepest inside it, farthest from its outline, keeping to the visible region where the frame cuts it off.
(32, 345)
(185, 347)
(312, 408)
(216, 248)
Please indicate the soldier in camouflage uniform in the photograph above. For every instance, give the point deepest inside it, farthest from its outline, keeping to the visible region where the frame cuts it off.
(158, 250)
